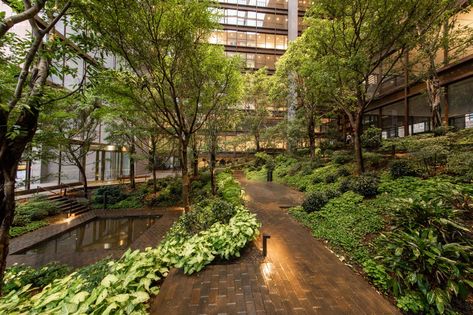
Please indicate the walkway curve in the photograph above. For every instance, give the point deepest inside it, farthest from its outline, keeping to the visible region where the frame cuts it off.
(299, 275)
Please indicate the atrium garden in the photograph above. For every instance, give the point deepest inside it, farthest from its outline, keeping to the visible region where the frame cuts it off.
(236, 157)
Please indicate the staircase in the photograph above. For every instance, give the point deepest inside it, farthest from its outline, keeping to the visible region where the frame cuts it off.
(69, 205)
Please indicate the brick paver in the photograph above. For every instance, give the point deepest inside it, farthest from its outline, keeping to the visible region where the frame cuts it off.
(299, 276)
(151, 237)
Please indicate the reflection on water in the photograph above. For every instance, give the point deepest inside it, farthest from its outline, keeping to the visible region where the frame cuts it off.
(98, 234)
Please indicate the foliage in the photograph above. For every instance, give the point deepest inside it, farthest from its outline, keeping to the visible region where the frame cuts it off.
(20, 230)
(342, 157)
(228, 188)
(377, 273)
(343, 171)
(207, 213)
(373, 160)
(461, 164)
(431, 157)
(428, 255)
(35, 209)
(113, 194)
(401, 168)
(365, 185)
(18, 276)
(129, 281)
(344, 222)
(371, 138)
(314, 201)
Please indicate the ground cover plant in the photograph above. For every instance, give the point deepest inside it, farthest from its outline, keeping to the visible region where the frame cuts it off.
(217, 228)
(30, 215)
(407, 223)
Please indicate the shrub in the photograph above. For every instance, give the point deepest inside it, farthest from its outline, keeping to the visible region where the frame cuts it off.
(401, 168)
(18, 276)
(342, 157)
(332, 193)
(431, 157)
(365, 185)
(371, 138)
(34, 209)
(461, 164)
(428, 255)
(343, 172)
(330, 178)
(372, 159)
(21, 219)
(377, 273)
(314, 201)
(424, 266)
(20, 230)
(261, 158)
(114, 194)
(345, 185)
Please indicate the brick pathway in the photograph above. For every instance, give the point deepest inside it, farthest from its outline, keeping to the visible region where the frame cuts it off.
(299, 276)
(150, 237)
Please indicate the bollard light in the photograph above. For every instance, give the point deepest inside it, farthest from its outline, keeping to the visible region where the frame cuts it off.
(265, 244)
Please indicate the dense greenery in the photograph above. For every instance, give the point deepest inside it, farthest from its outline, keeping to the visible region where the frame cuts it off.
(218, 228)
(30, 215)
(407, 223)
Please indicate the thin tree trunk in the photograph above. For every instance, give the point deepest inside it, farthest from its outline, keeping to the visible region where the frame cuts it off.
(185, 176)
(153, 167)
(83, 177)
(195, 158)
(213, 162)
(434, 92)
(358, 130)
(132, 165)
(257, 142)
(311, 134)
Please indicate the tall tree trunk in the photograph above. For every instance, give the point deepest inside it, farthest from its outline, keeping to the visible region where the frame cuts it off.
(213, 162)
(153, 167)
(357, 131)
(257, 142)
(132, 164)
(185, 175)
(434, 92)
(195, 158)
(11, 151)
(83, 177)
(311, 134)
(7, 209)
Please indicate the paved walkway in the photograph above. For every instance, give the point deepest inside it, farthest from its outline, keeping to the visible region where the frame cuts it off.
(299, 276)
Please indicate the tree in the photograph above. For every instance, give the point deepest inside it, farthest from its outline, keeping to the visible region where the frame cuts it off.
(361, 42)
(256, 103)
(298, 67)
(164, 44)
(449, 37)
(225, 111)
(68, 129)
(21, 99)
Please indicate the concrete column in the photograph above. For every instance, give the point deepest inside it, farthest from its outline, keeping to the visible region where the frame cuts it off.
(292, 32)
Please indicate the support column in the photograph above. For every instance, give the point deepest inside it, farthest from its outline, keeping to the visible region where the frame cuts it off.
(292, 32)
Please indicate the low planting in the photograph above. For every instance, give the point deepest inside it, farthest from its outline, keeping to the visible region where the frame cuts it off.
(125, 285)
(30, 215)
(407, 223)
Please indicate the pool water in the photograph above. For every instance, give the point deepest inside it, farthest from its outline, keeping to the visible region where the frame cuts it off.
(97, 235)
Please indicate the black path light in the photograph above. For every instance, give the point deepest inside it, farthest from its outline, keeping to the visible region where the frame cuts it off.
(265, 244)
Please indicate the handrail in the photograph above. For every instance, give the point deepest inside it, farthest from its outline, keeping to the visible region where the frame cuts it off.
(38, 188)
